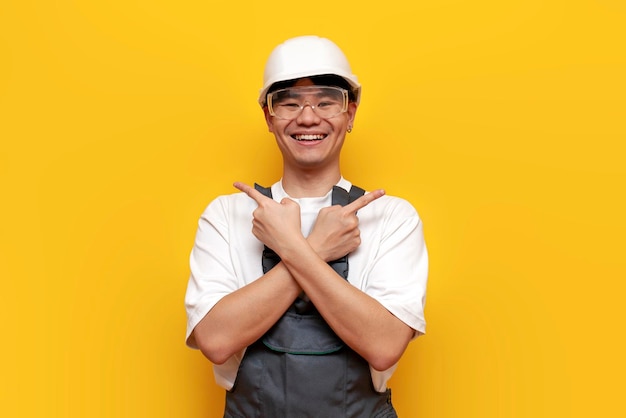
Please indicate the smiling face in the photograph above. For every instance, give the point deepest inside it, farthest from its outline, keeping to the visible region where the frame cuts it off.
(309, 142)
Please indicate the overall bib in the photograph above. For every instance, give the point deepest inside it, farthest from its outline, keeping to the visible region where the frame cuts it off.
(300, 368)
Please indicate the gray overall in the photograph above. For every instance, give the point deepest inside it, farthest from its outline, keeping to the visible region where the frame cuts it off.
(300, 368)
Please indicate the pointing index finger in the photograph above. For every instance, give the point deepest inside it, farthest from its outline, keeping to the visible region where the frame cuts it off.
(364, 200)
(250, 191)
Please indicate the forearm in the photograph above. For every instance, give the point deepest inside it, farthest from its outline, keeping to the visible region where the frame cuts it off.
(358, 319)
(243, 316)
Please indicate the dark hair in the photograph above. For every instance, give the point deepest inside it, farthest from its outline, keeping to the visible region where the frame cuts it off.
(320, 80)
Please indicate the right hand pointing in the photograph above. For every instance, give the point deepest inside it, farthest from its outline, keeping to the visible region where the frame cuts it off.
(274, 224)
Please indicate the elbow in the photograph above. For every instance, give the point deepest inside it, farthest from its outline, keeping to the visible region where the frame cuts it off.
(383, 361)
(214, 356)
(388, 351)
(215, 352)
(386, 356)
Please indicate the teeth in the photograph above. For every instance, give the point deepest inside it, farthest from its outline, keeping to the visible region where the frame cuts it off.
(309, 137)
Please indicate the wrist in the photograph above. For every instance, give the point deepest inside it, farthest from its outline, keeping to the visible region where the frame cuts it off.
(297, 250)
(318, 249)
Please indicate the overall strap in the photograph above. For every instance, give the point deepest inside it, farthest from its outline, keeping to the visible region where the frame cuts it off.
(342, 197)
(339, 197)
(270, 258)
(266, 191)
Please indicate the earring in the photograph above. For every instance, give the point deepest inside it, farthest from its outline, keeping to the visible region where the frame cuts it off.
(349, 129)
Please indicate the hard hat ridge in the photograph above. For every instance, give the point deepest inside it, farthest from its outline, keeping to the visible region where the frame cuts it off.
(307, 56)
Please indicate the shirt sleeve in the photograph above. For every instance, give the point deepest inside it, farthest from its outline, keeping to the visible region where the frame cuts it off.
(212, 273)
(399, 270)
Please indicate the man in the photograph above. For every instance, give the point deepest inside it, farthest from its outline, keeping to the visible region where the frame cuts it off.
(305, 295)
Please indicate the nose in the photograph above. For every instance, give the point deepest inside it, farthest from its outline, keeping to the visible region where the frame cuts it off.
(307, 115)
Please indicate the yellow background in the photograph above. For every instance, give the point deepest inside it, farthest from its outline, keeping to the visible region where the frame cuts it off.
(503, 122)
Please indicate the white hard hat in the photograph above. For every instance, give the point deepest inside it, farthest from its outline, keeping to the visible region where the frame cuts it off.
(307, 56)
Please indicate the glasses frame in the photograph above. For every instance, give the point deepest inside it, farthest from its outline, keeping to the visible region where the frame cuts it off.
(344, 108)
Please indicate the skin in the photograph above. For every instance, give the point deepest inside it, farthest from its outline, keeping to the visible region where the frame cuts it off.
(309, 169)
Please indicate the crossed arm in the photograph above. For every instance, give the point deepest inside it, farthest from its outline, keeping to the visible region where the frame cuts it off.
(243, 316)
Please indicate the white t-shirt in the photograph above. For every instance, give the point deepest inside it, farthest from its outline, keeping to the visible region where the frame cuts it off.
(390, 265)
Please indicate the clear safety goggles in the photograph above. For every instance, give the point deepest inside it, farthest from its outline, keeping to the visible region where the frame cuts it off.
(327, 102)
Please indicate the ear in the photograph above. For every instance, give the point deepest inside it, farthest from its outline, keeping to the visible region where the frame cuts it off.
(268, 119)
(352, 107)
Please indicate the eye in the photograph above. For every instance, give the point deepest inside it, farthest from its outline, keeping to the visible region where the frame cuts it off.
(326, 103)
(290, 106)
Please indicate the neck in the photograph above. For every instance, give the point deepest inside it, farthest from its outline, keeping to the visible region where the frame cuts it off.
(309, 184)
